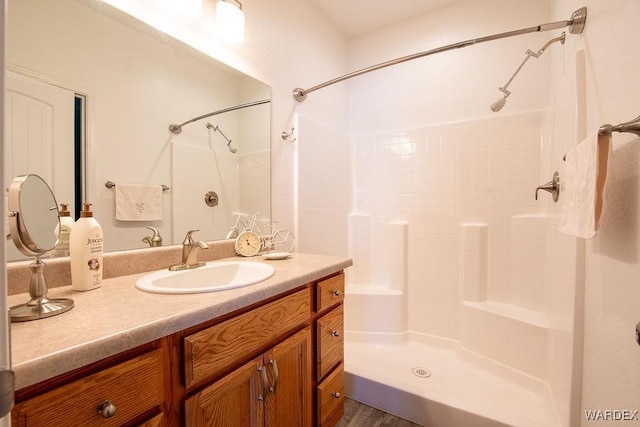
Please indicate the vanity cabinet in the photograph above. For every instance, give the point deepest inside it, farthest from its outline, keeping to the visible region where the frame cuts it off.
(269, 389)
(278, 362)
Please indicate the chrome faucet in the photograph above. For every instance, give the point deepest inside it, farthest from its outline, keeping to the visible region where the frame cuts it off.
(190, 253)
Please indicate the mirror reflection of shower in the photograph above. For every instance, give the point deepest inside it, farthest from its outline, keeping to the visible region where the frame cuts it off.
(499, 104)
(217, 129)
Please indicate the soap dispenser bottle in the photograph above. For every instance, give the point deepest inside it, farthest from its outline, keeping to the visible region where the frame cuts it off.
(86, 251)
(64, 232)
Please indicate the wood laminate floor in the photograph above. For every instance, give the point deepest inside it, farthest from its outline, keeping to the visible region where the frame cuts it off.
(357, 414)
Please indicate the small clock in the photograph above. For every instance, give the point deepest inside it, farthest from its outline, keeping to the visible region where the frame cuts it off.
(248, 243)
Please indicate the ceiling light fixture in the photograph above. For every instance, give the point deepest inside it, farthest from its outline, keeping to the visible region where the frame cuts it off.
(230, 20)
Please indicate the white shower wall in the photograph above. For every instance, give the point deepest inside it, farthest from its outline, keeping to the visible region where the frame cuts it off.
(441, 176)
(479, 265)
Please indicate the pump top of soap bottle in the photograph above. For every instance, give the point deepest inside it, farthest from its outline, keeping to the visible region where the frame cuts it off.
(64, 211)
(86, 211)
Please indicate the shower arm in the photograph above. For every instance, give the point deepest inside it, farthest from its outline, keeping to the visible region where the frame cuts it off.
(217, 129)
(176, 129)
(530, 54)
(575, 24)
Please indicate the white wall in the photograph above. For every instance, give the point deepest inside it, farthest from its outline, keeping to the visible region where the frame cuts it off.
(455, 85)
(611, 42)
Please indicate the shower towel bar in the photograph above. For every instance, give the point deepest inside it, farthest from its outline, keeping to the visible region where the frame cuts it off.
(575, 24)
(632, 126)
(111, 184)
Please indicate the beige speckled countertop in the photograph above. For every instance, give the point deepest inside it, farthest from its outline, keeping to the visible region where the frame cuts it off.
(117, 316)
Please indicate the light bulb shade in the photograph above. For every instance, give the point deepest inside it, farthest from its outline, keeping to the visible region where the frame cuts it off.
(229, 21)
(189, 8)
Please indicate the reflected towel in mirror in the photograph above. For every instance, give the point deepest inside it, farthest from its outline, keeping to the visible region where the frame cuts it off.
(136, 202)
(583, 186)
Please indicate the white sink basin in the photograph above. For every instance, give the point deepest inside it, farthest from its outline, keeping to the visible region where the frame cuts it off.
(214, 276)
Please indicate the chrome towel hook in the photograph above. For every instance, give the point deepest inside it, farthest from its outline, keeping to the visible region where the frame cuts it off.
(288, 136)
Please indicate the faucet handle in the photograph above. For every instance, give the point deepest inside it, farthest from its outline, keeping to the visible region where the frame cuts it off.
(552, 187)
(188, 239)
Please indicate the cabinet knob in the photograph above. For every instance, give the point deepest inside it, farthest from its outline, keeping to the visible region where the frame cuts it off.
(335, 333)
(107, 409)
(335, 394)
(336, 292)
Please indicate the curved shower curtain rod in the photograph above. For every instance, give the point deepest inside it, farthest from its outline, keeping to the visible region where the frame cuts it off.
(575, 24)
(176, 129)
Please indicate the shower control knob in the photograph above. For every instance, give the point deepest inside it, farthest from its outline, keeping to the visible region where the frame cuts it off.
(107, 409)
(336, 292)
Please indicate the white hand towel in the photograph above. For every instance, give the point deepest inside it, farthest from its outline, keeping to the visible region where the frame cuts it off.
(583, 186)
(138, 202)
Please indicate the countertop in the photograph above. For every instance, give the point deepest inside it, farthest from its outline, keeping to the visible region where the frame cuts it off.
(117, 316)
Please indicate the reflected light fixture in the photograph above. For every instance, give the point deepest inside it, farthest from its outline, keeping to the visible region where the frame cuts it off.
(230, 20)
(189, 8)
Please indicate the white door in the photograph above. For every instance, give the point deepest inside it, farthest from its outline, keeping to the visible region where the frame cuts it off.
(39, 137)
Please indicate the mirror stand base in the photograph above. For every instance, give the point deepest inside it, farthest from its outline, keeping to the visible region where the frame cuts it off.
(39, 306)
(40, 310)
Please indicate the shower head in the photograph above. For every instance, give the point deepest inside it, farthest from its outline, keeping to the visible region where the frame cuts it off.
(217, 129)
(497, 106)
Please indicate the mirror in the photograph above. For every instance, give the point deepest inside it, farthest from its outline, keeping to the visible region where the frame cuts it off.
(34, 220)
(34, 224)
(104, 89)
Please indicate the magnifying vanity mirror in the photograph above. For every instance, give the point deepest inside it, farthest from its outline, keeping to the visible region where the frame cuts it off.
(34, 224)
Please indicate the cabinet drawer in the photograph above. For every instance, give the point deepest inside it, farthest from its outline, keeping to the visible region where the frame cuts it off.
(214, 349)
(330, 332)
(133, 387)
(329, 292)
(157, 421)
(331, 398)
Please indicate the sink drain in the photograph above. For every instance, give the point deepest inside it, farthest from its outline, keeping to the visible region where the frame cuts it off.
(421, 372)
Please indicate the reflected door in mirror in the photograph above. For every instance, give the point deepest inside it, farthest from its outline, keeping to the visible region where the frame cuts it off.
(39, 135)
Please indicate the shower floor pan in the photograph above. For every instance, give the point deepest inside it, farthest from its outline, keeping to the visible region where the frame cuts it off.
(386, 371)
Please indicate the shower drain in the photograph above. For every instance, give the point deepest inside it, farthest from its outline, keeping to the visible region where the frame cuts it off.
(421, 372)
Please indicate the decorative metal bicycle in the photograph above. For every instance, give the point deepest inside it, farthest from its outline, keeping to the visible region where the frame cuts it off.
(241, 224)
(254, 239)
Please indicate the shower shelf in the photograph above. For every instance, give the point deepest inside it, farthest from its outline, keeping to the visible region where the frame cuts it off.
(514, 312)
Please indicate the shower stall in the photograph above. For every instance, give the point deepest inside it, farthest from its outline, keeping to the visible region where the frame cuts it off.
(453, 315)
(464, 302)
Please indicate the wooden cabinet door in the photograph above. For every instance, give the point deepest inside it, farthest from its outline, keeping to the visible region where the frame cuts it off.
(289, 401)
(236, 400)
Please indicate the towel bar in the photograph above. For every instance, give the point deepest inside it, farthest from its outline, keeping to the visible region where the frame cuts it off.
(632, 126)
(111, 184)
